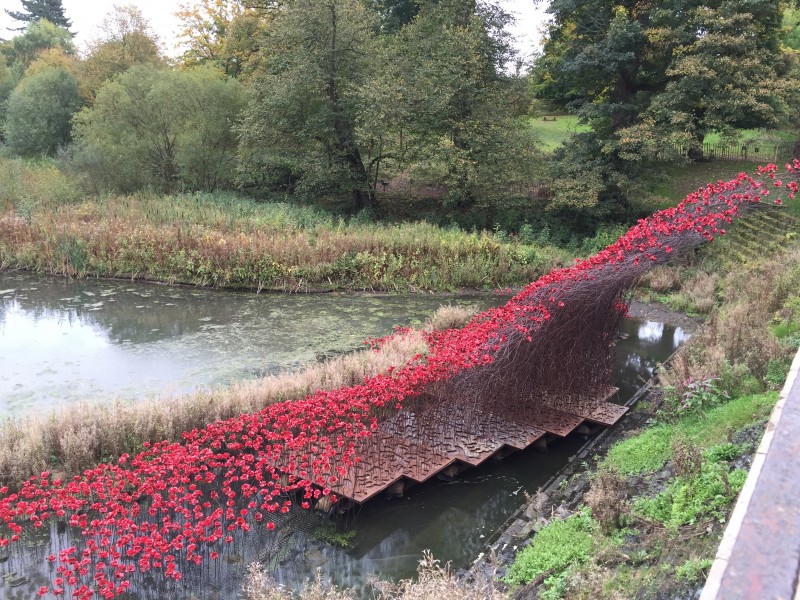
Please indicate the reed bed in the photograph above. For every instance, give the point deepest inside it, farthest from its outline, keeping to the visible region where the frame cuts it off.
(224, 240)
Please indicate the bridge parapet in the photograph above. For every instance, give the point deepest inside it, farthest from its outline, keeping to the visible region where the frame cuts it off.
(759, 557)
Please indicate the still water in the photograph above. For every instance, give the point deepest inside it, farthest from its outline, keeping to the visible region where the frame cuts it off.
(62, 342)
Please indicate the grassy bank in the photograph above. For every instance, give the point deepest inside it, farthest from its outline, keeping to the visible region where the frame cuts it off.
(651, 517)
(224, 240)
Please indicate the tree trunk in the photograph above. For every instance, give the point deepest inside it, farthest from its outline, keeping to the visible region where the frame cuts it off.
(346, 148)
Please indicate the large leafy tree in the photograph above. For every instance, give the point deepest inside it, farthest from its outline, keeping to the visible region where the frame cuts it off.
(301, 124)
(225, 33)
(39, 112)
(34, 10)
(161, 128)
(126, 39)
(643, 73)
(446, 104)
(39, 36)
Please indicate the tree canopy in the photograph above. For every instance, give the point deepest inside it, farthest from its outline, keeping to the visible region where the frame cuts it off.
(34, 10)
(161, 128)
(645, 75)
(40, 110)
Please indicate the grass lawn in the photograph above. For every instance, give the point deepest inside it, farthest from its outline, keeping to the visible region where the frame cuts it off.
(764, 136)
(673, 181)
(553, 133)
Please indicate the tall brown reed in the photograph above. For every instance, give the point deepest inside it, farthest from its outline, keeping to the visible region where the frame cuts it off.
(79, 436)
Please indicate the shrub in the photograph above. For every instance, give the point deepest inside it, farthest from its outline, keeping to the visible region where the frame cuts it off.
(39, 112)
(725, 452)
(699, 396)
(687, 457)
(605, 498)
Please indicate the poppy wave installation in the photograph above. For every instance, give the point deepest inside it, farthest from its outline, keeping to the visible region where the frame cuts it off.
(534, 368)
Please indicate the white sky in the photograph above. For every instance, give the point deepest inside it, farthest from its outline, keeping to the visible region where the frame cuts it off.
(86, 15)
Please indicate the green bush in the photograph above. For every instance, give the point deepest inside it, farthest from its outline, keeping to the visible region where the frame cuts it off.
(777, 370)
(725, 452)
(39, 112)
(557, 546)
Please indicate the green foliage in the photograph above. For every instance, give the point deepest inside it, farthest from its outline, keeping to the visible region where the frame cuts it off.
(777, 370)
(691, 499)
(395, 14)
(725, 452)
(698, 396)
(554, 587)
(39, 112)
(643, 453)
(302, 119)
(694, 570)
(649, 450)
(126, 40)
(790, 28)
(641, 78)
(557, 546)
(166, 129)
(720, 81)
(39, 35)
(26, 185)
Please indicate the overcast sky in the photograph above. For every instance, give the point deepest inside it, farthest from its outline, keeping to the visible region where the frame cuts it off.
(87, 14)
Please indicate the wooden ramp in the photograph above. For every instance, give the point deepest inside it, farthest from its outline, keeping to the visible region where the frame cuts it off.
(412, 448)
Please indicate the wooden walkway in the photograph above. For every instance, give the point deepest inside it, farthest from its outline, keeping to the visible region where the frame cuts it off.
(410, 448)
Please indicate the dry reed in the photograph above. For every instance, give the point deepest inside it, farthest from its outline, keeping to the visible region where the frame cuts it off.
(434, 582)
(734, 341)
(80, 436)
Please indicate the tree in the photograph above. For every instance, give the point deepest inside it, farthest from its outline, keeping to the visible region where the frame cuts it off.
(161, 128)
(727, 76)
(225, 33)
(52, 10)
(447, 68)
(126, 39)
(394, 14)
(790, 30)
(642, 74)
(39, 35)
(39, 112)
(301, 124)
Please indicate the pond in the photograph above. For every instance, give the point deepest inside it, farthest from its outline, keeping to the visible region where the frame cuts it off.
(63, 341)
